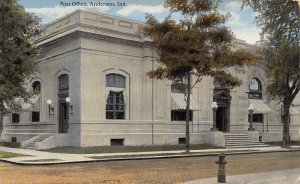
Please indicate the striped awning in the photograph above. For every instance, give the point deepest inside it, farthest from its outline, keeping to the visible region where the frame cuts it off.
(32, 104)
(115, 89)
(178, 102)
(260, 107)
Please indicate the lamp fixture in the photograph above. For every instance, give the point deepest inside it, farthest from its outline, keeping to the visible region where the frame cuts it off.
(68, 100)
(51, 109)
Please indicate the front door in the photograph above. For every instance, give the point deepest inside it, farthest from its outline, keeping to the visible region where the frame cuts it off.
(63, 124)
(223, 98)
(221, 119)
(63, 106)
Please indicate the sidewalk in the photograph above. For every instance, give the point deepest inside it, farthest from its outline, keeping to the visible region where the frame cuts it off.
(291, 176)
(45, 158)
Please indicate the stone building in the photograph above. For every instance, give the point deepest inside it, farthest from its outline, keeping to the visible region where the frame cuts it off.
(91, 90)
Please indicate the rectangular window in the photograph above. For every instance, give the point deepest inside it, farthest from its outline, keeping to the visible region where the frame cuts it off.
(257, 118)
(35, 116)
(115, 107)
(180, 115)
(117, 142)
(15, 118)
(14, 139)
(182, 140)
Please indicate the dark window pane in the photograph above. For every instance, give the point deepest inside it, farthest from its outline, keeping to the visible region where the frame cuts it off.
(119, 115)
(114, 107)
(36, 87)
(109, 115)
(257, 118)
(180, 115)
(35, 116)
(15, 118)
(63, 82)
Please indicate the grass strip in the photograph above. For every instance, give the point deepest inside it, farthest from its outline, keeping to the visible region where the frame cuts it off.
(125, 149)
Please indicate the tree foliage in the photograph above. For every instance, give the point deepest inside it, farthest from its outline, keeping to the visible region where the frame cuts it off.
(17, 52)
(280, 24)
(196, 45)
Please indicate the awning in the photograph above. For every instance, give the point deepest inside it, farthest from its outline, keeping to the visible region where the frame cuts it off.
(178, 102)
(33, 104)
(260, 107)
(114, 89)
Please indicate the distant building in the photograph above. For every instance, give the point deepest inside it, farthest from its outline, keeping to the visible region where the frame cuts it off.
(91, 90)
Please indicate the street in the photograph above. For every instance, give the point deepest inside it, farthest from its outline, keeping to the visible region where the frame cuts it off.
(164, 171)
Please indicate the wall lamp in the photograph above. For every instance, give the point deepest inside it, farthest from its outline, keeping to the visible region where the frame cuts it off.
(51, 109)
(68, 100)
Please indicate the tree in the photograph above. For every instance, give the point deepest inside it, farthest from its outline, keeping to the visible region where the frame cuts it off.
(17, 53)
(280, 24)
(197, 45)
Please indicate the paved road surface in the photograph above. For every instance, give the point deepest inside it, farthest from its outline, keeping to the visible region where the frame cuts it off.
(160, 171)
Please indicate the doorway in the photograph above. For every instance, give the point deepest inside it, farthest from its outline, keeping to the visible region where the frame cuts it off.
(63, 106)
(221, 119)
(63, 123)
(223, 98)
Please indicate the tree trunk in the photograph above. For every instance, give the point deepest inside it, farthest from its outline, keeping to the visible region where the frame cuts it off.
(286, 126)
(187, 125)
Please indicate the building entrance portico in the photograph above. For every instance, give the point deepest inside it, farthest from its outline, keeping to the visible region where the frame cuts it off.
(222, 97)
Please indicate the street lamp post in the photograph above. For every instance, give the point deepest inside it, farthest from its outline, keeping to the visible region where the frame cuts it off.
(251, 110)
(214, 107)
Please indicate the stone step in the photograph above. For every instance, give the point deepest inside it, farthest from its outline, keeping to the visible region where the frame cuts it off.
(240, 141)
(247, 146)
(253, 143)
(231, 134)
(39, 139)
(237, 138)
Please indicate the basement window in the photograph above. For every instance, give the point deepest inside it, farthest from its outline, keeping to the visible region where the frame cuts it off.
(182, 140)
(13, 139)
(117, 142)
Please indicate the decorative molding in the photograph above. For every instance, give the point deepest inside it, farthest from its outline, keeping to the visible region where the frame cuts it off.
(109, 39)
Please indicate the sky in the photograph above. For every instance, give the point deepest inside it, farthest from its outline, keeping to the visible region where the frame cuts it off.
(241, 22)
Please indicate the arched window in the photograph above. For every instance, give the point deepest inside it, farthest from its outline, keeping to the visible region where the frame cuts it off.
(63, 84)
(115, 80)
(255, 90)
(36, 87)
(35, 114)
(115, 104)
(63, 81)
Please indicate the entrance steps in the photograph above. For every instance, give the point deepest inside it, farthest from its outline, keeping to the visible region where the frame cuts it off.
(31, 142)
(240, 140)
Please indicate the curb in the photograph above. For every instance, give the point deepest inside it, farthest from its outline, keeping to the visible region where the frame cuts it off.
(146, 157)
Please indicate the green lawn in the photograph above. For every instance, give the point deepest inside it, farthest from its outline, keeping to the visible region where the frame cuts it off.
(124, 149)
(9, 155)
(10, 144)
(279, 143)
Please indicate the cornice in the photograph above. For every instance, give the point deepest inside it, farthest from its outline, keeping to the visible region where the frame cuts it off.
(112, 39)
